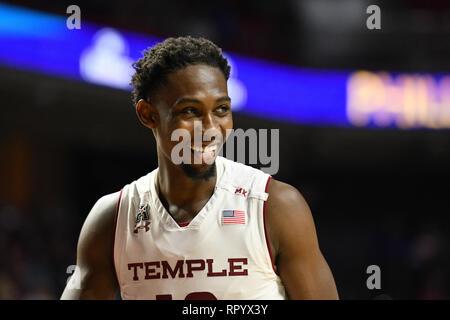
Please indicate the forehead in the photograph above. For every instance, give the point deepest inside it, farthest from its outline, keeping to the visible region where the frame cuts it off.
(194, 81)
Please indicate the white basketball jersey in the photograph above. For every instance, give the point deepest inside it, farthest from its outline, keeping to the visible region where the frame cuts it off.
(223, 253)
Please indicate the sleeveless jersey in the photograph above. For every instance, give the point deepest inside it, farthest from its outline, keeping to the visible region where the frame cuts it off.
(223, 253)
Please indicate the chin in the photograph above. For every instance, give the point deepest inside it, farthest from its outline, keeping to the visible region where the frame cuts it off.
(199, 171)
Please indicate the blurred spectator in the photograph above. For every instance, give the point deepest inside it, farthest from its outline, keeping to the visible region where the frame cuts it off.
(36, 248)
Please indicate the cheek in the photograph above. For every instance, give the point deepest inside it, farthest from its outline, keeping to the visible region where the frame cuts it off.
(227, 123)
(165, 133)
(226, 126)
(180, 132)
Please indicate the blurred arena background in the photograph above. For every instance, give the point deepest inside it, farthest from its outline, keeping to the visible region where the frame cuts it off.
(363, 118)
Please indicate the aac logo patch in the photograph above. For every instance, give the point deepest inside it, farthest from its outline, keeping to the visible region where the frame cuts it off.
(142, 218)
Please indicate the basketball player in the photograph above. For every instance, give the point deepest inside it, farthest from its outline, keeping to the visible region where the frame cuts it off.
(195, 230)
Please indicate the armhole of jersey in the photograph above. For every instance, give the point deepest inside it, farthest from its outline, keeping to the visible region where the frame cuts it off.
(116, 215)
(266, 233)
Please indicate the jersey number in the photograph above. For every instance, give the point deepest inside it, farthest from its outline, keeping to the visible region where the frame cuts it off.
(190, 296)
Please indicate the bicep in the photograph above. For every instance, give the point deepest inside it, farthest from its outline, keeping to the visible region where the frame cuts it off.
(94, 276)
(307, 277)
(301, 265)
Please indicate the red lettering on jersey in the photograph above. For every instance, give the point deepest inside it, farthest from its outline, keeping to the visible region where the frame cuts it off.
(241, 191)
(200, 296)
(173, 272)
(234, 267)
(152, 268)
(210, 273)
(190, 268)
(135, 266)
(149, 271)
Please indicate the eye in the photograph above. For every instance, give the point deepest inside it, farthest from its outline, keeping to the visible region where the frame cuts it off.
(188, 110)
(222, 109)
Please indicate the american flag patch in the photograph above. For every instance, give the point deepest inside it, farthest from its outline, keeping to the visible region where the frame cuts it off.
(233, 217)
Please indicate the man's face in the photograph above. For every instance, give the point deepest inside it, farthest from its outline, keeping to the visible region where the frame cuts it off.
(194, 99)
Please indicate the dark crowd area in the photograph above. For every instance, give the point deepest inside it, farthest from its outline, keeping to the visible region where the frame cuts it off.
(364, 217)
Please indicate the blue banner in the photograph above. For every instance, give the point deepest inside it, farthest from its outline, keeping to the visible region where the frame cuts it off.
(42, 42)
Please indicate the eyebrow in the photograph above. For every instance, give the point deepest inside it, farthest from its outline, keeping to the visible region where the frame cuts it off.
(191, 100)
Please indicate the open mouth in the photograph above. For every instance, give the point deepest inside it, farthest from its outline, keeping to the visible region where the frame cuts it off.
(204, 153)
(204, 149)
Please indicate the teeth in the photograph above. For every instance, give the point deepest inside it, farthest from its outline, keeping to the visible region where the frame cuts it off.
(210, 148)
(196, 149)
(207, 149)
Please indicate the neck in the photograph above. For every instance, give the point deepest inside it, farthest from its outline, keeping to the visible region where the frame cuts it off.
(178, 189)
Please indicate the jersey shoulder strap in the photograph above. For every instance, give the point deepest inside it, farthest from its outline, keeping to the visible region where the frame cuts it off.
(244, 179)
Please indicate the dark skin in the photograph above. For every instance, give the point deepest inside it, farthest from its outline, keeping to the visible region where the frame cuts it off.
(200, 93)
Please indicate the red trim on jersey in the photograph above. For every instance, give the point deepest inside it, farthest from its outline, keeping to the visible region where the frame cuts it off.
(180, 224)
(115, 225)
(265, 231)
(183, 224)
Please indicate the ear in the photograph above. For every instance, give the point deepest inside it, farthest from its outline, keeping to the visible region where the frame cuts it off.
(147, 114)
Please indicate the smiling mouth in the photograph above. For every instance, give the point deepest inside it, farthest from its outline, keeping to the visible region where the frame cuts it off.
(206, 149)
(205, 154)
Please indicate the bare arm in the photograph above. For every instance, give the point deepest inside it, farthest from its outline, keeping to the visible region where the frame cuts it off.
(94, 277)
(292, 234)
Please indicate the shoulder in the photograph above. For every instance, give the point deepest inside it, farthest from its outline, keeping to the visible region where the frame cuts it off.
(98, 228)
(302, 268)
(284, 195)
(95, 266)
(288, 215)
(104, 209)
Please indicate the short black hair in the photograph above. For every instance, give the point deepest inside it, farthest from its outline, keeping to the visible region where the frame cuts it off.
(170, 55)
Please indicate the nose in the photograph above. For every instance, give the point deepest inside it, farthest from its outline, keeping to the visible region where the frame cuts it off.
(210, 128)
